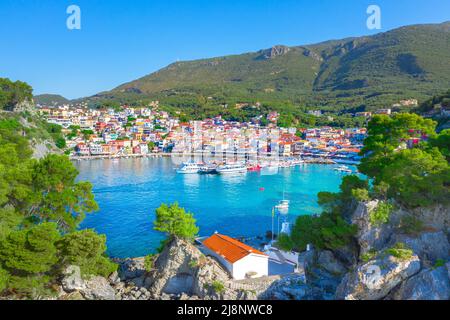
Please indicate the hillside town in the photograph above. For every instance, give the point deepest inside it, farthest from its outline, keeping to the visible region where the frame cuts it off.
(149, 130)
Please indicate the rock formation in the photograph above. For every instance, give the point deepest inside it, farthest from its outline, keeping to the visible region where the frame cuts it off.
(367, 269)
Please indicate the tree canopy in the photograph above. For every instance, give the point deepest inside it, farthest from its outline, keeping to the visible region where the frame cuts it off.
(12, 93)
(407, 162)
(175, 222)
(41, 206)
(407, 157)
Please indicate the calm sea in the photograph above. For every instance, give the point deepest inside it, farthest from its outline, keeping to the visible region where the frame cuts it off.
(129, 190)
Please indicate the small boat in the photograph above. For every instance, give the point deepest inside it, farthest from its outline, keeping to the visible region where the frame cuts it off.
(298, 161)
(189, 168)
(283, 205)
(208, 169)
(231, 168)
(343, 169)
(254, 168)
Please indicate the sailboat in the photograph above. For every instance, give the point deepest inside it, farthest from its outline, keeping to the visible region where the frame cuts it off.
(283, 205)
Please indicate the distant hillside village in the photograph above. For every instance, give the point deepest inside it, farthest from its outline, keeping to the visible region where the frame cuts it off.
(142, 131)
(147, 130)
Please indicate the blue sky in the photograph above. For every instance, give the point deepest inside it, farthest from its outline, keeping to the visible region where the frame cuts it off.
(122, 40)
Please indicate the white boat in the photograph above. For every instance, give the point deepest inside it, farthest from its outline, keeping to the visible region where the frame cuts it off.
(231, 168)
(343, 169)
(270, 169)
(283, 206)
(208, 169)
(298, 161)
(189, 168)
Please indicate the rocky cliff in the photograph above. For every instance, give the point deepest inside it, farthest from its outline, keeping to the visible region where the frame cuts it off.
(405, 258)
(386, 261)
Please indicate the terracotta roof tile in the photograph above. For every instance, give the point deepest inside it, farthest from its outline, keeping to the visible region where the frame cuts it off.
(229, 248)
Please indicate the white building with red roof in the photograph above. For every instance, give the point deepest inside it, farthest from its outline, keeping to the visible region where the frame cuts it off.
(241, 260)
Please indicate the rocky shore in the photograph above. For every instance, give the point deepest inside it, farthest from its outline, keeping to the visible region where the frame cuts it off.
(372, 268)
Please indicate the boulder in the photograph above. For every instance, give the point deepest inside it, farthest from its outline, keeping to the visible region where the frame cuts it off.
(114, 278)
(328, 261)
(376, 279)
(370, 237)
(429, 246)
(348, 255)
(288, 288)
(138, 282)
(436, 217)
(430, 284)
(131, 268)
(295, 293)
(98, 288)
(72, 280)
(181, 268)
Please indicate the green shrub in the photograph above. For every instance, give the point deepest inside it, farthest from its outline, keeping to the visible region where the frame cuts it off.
(60, 142)
(366, 257)
(327, 231)
(361, 194)
(381, 213)
(175, 222)
(86, 249)
(284, 242)
(400, 251)
(31, 251)
(193, 263)
(4, 278)
(439, 263)
(31, 286)
(218, 286)
(149, 262)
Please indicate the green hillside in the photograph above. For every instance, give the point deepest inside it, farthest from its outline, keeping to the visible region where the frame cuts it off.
(409, 62)
(50, 99)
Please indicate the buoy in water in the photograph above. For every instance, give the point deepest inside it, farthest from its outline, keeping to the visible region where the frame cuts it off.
(262, 189)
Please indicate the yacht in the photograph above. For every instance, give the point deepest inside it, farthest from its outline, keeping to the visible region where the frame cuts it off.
(189, 168)
(208, 169)
(283, 205)
(232, 168)
(343, 169)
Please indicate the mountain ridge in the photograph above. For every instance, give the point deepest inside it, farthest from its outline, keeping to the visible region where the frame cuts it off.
(372, 70)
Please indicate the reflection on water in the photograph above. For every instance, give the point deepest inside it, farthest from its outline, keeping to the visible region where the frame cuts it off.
(191, 180)
(129, 190)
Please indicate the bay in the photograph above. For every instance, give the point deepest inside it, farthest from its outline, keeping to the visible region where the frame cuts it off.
(129, 190)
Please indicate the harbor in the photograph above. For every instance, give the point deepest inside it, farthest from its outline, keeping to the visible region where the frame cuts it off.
(240, 205)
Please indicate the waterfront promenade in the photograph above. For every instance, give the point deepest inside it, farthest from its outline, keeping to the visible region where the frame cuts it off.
(238, 156)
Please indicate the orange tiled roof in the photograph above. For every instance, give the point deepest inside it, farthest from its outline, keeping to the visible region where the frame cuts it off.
(229, 248)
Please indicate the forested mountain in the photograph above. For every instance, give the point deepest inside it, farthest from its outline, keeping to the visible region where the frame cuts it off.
(50, 99)
(372, 71)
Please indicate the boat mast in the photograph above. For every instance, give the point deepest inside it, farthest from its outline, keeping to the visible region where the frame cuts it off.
(273, 215)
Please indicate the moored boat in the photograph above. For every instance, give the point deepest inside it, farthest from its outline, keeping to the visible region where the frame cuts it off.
(231, 168)
(254, 168)
(208, 169)
(189, 168)
(283, 205)
(343, 168)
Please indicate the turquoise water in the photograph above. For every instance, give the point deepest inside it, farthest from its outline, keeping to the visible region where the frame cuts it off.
(129, 190)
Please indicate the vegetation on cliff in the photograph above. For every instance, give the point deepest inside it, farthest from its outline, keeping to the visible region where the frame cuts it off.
(407, 164)
(174, 221)
(41, 206)
(13, 93)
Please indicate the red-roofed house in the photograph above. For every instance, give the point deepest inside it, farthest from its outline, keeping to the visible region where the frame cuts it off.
(241, 260)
